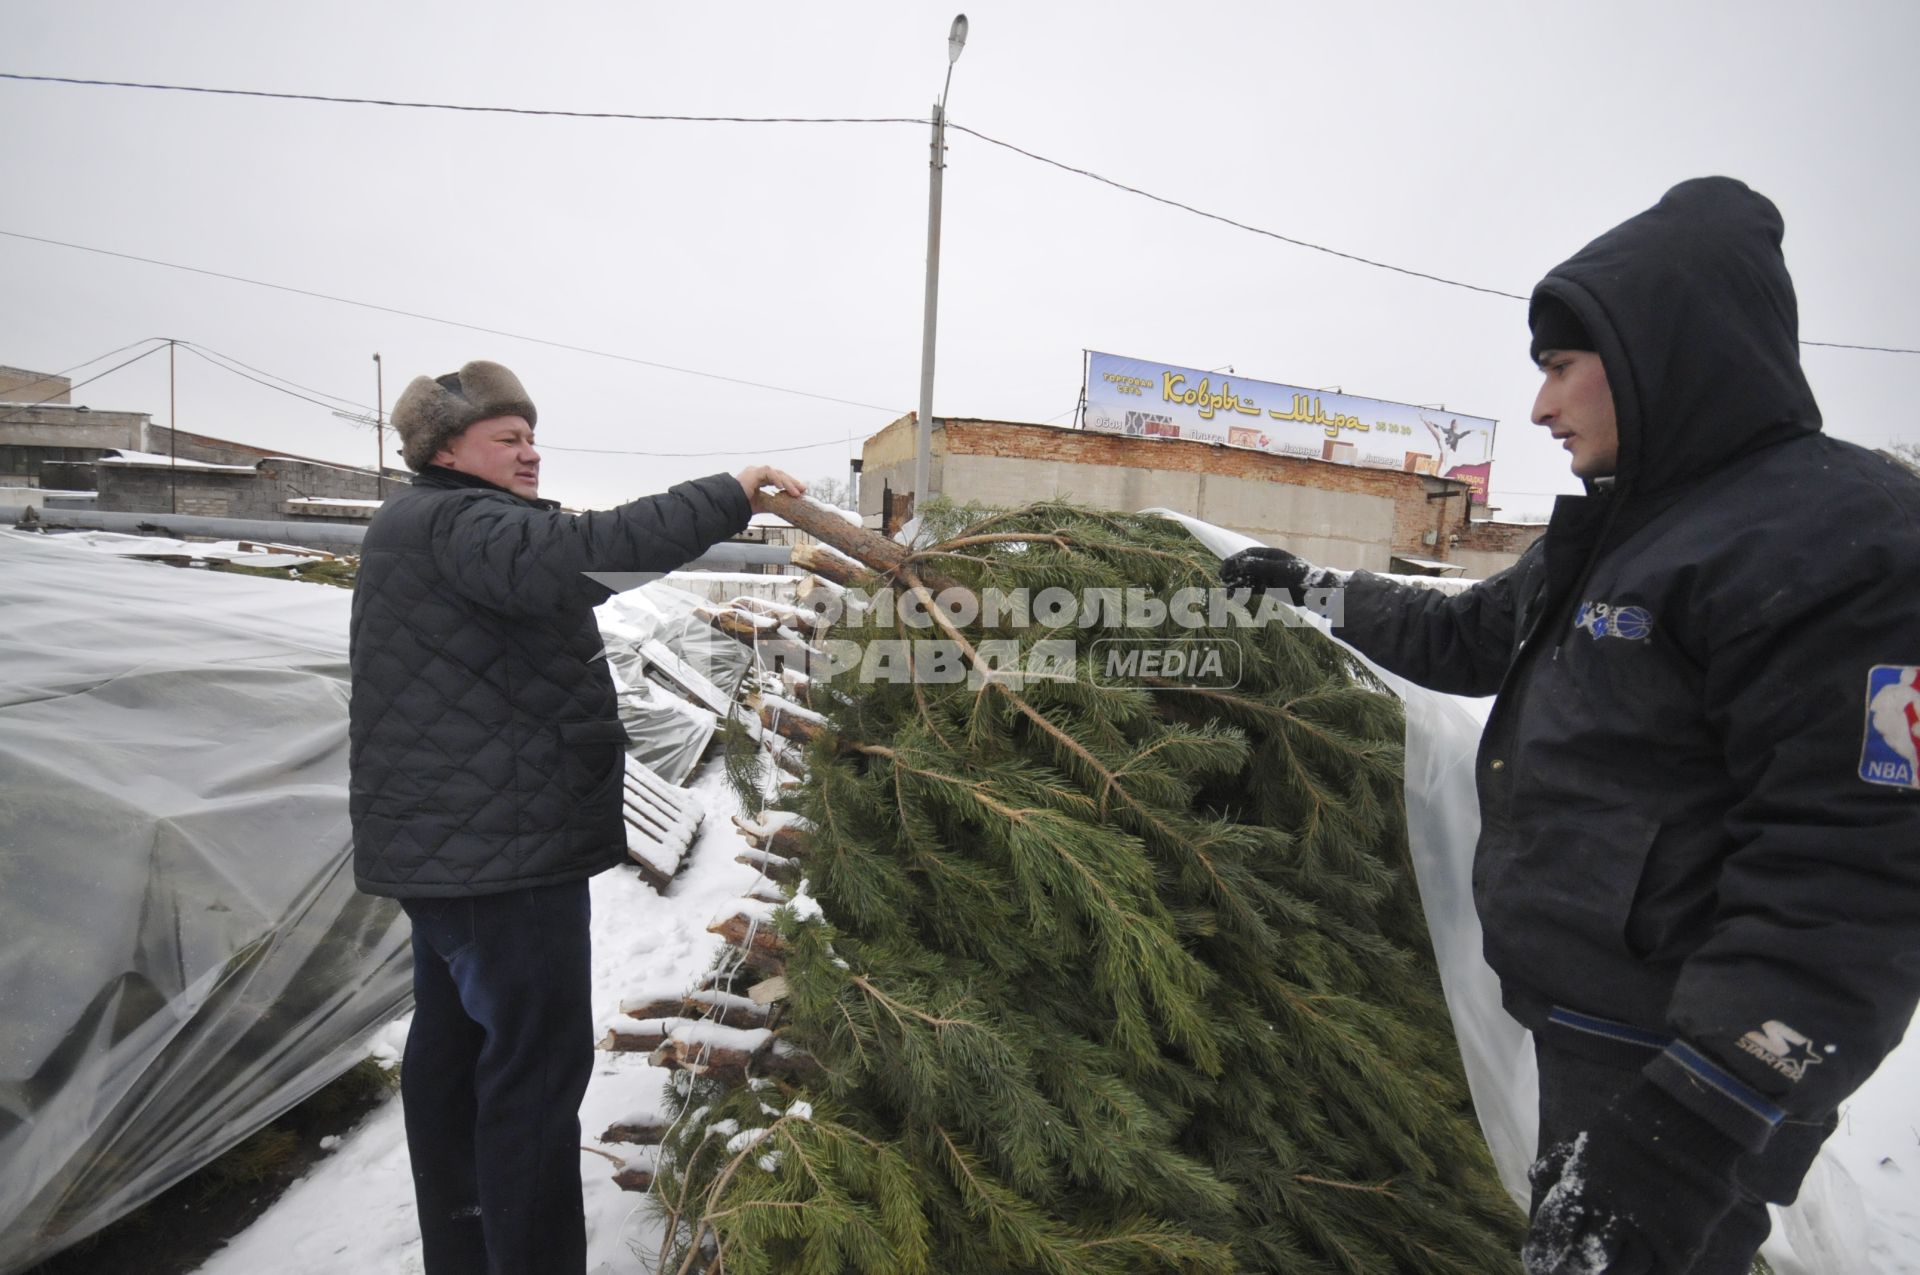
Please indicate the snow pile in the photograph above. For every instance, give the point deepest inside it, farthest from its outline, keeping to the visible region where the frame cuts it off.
(354, 1213)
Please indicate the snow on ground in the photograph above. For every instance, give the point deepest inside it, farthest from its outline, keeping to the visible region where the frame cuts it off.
(354, 1215)
(1860, 1209)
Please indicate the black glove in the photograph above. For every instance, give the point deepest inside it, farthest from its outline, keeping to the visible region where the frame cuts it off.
(1264, 568)
(1637, 1194)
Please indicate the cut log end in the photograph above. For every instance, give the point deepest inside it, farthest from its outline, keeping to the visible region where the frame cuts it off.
(634, 1179)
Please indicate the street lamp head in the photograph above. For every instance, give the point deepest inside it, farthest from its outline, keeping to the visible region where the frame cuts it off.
(956, 38)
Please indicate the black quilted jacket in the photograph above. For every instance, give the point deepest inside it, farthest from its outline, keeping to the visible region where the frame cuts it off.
(485, 750)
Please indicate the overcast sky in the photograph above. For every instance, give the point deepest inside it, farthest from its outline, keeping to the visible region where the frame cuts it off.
(1478, 141)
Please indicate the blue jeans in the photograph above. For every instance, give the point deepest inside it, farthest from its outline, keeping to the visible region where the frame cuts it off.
(497, 1061)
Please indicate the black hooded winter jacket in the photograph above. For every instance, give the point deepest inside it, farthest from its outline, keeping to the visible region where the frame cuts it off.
(1695, 839)
(485, 749)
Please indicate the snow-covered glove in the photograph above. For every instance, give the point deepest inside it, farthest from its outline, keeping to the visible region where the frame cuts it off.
(1263, 568)
(1637, 1194)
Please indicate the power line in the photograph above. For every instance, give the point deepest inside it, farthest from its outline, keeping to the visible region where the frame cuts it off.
(1302, 243)
(200, 354)
(749, 451)
(1238, 225)
(455, 323)
(766, 119)
(204, 350)
(203, 353)
(214, 357)
(1878, 349)
(482, 110)
(52, 376)
(21, 420)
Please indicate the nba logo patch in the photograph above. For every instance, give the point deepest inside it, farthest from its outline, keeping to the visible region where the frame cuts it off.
(1891, 754)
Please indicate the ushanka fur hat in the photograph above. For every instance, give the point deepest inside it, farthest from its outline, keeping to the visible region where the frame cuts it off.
(432, 409)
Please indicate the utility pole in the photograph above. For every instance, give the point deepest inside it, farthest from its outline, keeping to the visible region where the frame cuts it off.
(173, 437)
(923, 434)
(379, 427)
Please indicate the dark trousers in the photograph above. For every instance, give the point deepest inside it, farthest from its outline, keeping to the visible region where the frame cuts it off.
(497, 1061)
(1575, 1090)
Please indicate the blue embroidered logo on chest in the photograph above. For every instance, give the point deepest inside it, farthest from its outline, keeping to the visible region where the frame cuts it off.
(1891, 752)
(1604, 620)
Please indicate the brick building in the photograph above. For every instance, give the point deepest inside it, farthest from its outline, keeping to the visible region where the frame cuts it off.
(1337, 514)
(1489, 545)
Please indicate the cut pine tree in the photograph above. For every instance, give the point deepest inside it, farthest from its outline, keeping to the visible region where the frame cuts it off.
(1110, 972)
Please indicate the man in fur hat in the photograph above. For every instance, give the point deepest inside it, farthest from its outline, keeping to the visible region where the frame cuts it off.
(487, 761)
(1699, 860)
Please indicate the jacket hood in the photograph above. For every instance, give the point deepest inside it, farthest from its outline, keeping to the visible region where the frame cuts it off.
(1692, 312)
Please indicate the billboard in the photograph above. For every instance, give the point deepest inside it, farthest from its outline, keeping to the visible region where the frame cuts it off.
(1165, 400)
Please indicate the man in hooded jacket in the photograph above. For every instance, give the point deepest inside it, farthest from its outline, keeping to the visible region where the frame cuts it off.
(1699, 864)
(486, 771)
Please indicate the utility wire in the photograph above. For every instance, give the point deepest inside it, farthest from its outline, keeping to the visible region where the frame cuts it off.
(456, 323)
(202, 355)
(842, 441)
(749, 119)
(52, 376)
(1238, 225)
(20, 420)
(762, 119)
(214, 357)
(209, 350)
(203, 352)
(483, 110)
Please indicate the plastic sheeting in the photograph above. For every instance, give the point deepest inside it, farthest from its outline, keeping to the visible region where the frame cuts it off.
(662, 613)
(183, 950)
(1443, 826)
(667, 733)
(664, 733)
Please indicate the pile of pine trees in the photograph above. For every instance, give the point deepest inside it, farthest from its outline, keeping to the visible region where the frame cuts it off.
(1106, 974)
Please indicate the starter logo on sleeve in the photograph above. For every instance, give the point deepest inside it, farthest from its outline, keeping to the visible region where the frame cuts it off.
(1891, 753)
(1782, 1048)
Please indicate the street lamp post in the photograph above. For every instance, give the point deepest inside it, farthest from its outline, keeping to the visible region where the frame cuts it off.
(379, 427)
(923, 451)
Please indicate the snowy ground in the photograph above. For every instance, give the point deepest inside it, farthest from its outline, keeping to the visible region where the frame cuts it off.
(354, 1214)
(1859, 1211)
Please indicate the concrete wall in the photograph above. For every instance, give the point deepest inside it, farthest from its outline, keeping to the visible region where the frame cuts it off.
(1477, 565)
(294, 477)
(158, 489)
(215, 451)
(1339, 515)
(31, 437)
(56, 426)
(18, 385)
(44, 498)
(264, 493)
